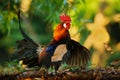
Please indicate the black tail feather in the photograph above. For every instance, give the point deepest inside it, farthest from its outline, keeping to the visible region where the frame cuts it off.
(23, 33)
(27, 48)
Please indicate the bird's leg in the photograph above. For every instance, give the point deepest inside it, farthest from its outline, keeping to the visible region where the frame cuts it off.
(51, 70)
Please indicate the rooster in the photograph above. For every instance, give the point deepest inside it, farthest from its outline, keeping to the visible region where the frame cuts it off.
(61, 48)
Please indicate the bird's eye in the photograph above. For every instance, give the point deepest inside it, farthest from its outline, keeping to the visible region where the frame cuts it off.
(64, 25)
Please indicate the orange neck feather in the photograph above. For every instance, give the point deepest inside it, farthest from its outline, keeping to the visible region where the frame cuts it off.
(60, 33)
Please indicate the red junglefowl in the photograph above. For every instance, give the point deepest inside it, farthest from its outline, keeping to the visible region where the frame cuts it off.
(61, 48)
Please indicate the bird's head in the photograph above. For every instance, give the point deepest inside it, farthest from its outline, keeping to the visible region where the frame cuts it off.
(66, 20)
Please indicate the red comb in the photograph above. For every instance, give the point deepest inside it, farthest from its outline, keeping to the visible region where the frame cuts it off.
(64, 18)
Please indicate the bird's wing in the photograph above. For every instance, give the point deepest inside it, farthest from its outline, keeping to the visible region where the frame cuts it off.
(27, 48)
(78, 55)
(73, 54)
(59, 52)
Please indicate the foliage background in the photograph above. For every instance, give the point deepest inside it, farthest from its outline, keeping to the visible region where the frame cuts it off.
(94, 22)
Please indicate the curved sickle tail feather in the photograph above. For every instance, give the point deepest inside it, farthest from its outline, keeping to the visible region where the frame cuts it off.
(27, 48)
(23, 33)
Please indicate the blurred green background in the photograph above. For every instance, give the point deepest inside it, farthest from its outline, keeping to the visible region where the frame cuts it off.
(95, 24)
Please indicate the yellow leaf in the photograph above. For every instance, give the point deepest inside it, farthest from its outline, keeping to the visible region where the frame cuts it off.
(97, 38)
